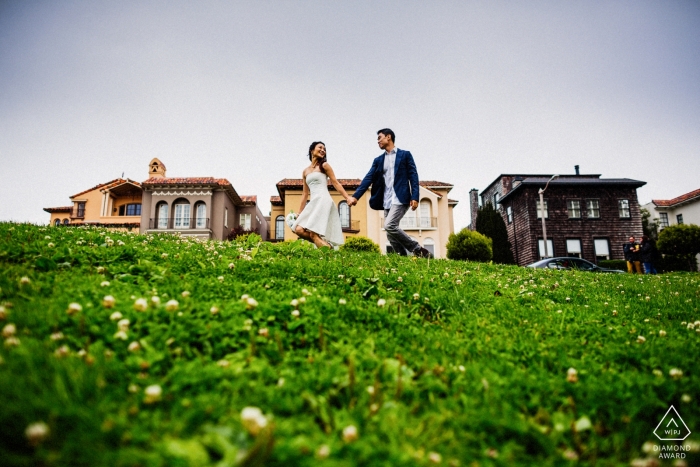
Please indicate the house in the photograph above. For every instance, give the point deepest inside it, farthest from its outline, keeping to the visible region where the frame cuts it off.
(115, 204)
(204, 207)
(683, 209)
(431, 224)
(586, 216)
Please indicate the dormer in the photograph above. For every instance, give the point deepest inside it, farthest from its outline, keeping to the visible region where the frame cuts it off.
(156, 169)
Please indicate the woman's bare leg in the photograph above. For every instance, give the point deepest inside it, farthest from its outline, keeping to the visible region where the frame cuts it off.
(318, 241)
(306, 235)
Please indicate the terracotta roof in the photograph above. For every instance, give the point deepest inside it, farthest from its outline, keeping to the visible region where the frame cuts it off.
(207, 181)
(276, 201)
(434, 184)
(59, 209)
(677, 200)
(108, 185)
(249, 200)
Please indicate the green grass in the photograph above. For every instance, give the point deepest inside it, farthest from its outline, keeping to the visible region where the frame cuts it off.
(464, 364)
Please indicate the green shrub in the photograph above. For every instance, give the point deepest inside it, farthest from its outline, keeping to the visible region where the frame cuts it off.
(620, 264)
(468, 245)
(360, 244)
(682, 241)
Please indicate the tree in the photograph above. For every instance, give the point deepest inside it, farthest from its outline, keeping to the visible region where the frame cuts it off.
(467, 245)
(649, 227)
(490, 223)
(682, 240)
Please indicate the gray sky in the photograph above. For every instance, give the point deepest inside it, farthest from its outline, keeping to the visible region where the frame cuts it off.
(89, 90)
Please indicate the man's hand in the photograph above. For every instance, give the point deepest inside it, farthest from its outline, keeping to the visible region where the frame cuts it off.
(414, 205)
(352, 201)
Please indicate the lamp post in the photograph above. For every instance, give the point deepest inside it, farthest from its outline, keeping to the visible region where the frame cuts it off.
(544, 227)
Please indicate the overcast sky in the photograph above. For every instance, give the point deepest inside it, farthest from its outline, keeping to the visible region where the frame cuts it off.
(90, 90)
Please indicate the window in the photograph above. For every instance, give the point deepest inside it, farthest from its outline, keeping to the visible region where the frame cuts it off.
(57, 222)
(539, 210)
(573, 247)
(424, 207)
(81, 209)
(66, 221)
(509, 214)
(679, 218)
(130, 209)
(182, 215)
(550, 248)
(162, 215)
(245, 221)
(496, 197)
(593, 208)
(200, 212)
(344, 211)
(429, 245)
(663, 219)
(602, 249)
(226, 217)
(574, 207)
(623, 206)
(582, 265)
(279, 228)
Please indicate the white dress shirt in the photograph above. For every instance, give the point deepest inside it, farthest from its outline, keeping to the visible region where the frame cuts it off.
(389, 193)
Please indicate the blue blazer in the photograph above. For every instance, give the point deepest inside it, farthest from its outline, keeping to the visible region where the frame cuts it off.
(405, 180)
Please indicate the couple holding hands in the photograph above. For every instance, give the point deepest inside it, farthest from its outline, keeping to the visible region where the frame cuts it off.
(394, 181)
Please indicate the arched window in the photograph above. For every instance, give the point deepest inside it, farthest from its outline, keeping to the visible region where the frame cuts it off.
(424, 210)
(429, 245)
(57, 222)
(344, 211)
(279, 228)
(66, 221)
(200, 212)
(181, 214)
(162, 215)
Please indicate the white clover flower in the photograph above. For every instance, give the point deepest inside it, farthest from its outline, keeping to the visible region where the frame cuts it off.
(370, 390)
(47, 238)
(305, 292)
(295, 313)
(323, 451)
(220, 278)
(244, 297)
(104, 284)
(658, 373)
(691, 326)
(115, 316)
(134, 347)
(100, 269)
(213, 310)
(294, 302)
(416, 296)
(133, 388)
(341, 276)
(155, 300)
(9, 330)
(614, 312)
(426, 299)
(568, 299)
(153, 394)
(572, 375)
(250, 303)
(280, 382)
(253, 420)
(223, 363)
(399, 279)
(662, 333)
(231, 265)
(461, 368)
(686, 398)
(74, 308)
(164, 255)
(675, 373)
(434, 457)
(641, 339)
(172, 305)
(302, 299)
(122, 335)
(12, 342)
(140, 304)
(123, 324)
(381, 302)
(3, 313)
(342, 301)
(108, 301)
(263, 332)
(185, 293)
(458, 281)
(62, 351)
(350, 433)
(36, 433)
(51, 245)
(56, 336)
(120, 243)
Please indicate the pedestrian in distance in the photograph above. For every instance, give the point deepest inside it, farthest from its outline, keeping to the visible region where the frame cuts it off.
(646, 254)
(631, 251)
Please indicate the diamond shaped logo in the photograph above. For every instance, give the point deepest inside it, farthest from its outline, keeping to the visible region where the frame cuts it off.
(672, 427)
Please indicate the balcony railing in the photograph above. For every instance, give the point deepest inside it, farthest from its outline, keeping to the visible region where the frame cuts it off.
(416, 223)
(354, 226)
(77, 213)
(178, 223)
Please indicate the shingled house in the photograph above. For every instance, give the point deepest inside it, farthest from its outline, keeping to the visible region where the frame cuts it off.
(430, 225)
(586, 216)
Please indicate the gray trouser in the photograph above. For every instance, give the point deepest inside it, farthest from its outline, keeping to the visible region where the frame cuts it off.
(400, 242)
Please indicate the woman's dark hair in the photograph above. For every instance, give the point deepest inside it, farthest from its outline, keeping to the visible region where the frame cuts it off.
(387, 131)
(645, 238)
(311, 149)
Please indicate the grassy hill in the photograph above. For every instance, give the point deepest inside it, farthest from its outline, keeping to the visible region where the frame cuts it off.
(351, 358)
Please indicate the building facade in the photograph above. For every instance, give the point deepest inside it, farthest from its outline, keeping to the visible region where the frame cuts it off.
(683, 209)
(430, 225)
(586, 216)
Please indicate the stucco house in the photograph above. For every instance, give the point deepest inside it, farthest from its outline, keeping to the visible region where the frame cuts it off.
(431, 224)
(683, 209)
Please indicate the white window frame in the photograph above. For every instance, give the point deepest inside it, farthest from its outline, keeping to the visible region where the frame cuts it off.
(623, 208)
(573, 206)
(573, 247)
(550, 247)
(663, 219)
(602, 248)
(593, 208)
(279, 232)
(344, 213)
(539, 210)
(201, 215)
(182, 215)
(245, 220)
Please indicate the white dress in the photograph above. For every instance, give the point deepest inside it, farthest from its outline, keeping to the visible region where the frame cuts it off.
(321, 214)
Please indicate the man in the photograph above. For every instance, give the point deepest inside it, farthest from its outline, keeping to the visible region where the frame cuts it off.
(394, 180)
(631, 251)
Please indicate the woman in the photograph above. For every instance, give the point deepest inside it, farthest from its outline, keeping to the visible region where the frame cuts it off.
(319, 221)
(646, 254)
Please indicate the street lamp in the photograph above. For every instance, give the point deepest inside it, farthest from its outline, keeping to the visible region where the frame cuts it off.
(544, 227)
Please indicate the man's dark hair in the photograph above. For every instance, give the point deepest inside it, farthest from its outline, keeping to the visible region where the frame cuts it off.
(387, 131)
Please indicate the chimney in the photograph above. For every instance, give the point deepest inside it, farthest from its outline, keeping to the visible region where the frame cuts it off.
(473, 206)
(156, 169)
(576, 169)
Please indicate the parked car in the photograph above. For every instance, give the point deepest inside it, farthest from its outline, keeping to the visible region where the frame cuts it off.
(571, 263)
